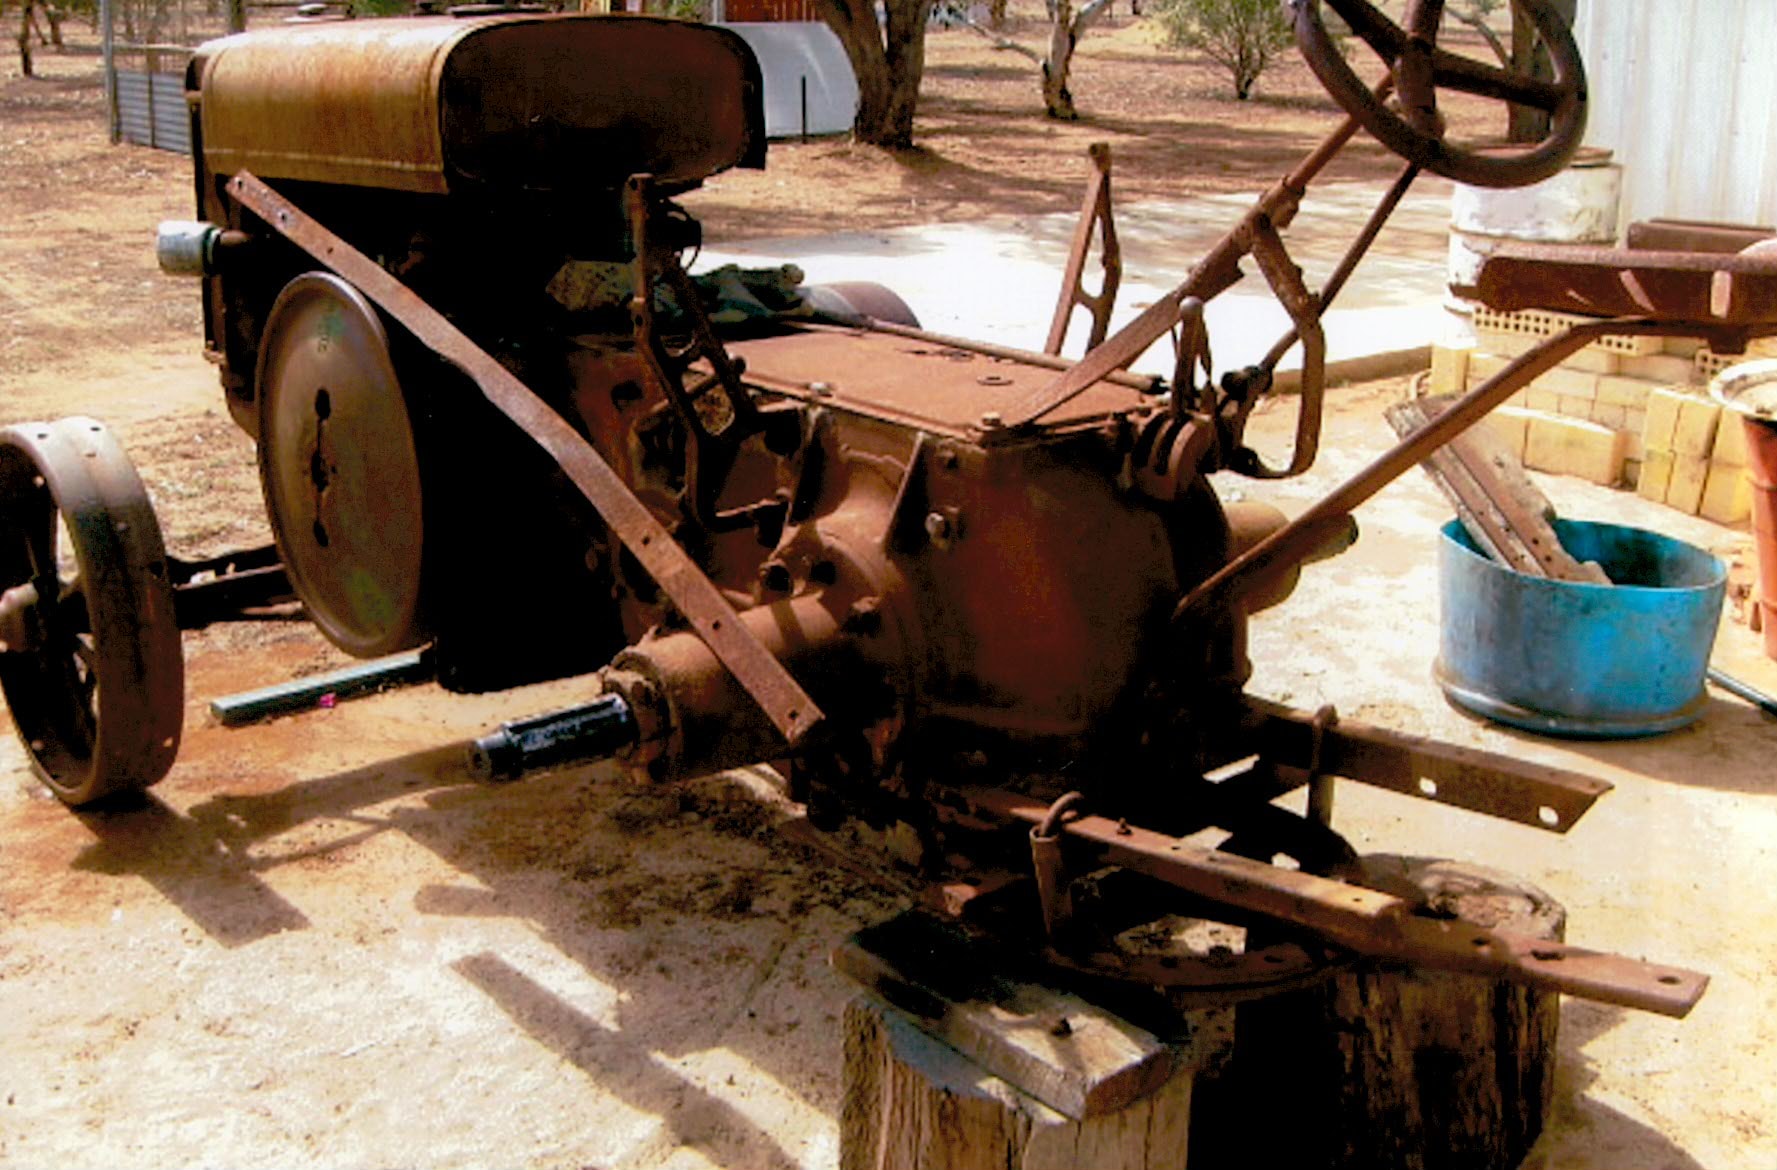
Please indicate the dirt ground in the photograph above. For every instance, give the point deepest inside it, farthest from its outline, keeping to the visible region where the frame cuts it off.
(318, 944)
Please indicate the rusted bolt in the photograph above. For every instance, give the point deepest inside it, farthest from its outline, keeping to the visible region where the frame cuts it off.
(991, 421)
(1123, 829)
(938, 528)
(821, 389)
(948, 459)
(994, 380)
(1063, 1027)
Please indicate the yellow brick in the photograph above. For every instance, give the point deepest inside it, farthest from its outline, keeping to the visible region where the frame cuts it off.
(1573, 405)
(1510, 425)
(1606, 415)
(1684, 347)
(1695, 433)
(1656, 476)
(1630, 393)
(1572, 383)
(1503, 344)
(1449, 370)
(1546, 400)
(1727, 494)
(1483, 365)
(1519, 398)
(1664, 368)
(1689, 476)
(1730, 441)
(1593, 360)
(1571, 446)
(1662, 419)
(1635, 449)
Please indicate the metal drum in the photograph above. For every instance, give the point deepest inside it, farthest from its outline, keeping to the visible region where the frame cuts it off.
(1581, 660)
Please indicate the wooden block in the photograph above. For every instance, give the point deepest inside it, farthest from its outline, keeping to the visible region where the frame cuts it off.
(1570, 446)
(1664, 368)
(1730, 441)
(1095, 1064)
(1662, 419)
(1511, 425)
(1449, 369)
(912, 1102)
(1727, 494)
(1630, 393)
(1690, 475)
(1694, 434)
(1656, 476)
(1569, 383)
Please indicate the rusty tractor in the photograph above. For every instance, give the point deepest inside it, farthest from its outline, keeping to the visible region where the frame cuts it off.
(988, 597)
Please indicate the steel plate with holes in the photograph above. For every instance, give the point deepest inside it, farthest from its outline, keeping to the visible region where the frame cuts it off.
(340, 467)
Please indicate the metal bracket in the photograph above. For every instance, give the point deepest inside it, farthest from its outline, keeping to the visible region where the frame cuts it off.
(1095, 213)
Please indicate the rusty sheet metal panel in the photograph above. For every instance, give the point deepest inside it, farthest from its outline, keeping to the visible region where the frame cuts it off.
(431, 104)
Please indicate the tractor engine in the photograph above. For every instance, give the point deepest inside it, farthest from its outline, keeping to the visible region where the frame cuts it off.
(948, 588)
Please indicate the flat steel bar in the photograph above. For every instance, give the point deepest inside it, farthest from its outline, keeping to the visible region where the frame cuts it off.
(1372, 923)
(304, 694)
(1094, 211)
(1483, 782)
(778, 694)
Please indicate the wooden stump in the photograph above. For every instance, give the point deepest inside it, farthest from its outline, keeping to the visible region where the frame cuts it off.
(954, 1063)
(1385, 1066)
(914, 1103)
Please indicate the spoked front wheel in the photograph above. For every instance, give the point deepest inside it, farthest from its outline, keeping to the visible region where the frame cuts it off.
(90, 658)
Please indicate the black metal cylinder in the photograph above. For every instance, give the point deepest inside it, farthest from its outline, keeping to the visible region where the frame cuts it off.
(594, 731)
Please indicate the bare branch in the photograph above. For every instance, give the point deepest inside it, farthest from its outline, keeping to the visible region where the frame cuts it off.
(1000, 42)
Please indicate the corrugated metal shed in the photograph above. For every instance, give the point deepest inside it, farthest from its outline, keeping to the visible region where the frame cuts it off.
(151, 110)
(1685, 93)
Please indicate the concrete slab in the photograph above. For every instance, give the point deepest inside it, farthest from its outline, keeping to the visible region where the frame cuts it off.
(997, 280)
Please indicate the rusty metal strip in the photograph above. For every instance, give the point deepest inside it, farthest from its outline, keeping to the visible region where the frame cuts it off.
(778, 694)
(1483, 782)
(1095, 212)
(1372, 923)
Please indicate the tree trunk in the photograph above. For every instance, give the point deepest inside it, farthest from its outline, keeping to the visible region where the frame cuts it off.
(25, 37)
(912, 1103)
(1391, 1067)
(888, 63)
(1057, 101)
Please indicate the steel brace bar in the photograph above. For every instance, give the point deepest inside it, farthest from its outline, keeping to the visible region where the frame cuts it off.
(1483, 782)
(1367, 921)
(778, 694)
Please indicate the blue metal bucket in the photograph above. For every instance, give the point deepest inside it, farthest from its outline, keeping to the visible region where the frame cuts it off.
(1570, 659)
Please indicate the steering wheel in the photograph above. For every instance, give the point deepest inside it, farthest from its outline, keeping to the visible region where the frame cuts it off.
(1419, 69)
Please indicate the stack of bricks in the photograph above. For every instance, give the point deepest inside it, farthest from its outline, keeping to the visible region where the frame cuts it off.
(1623, 412)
